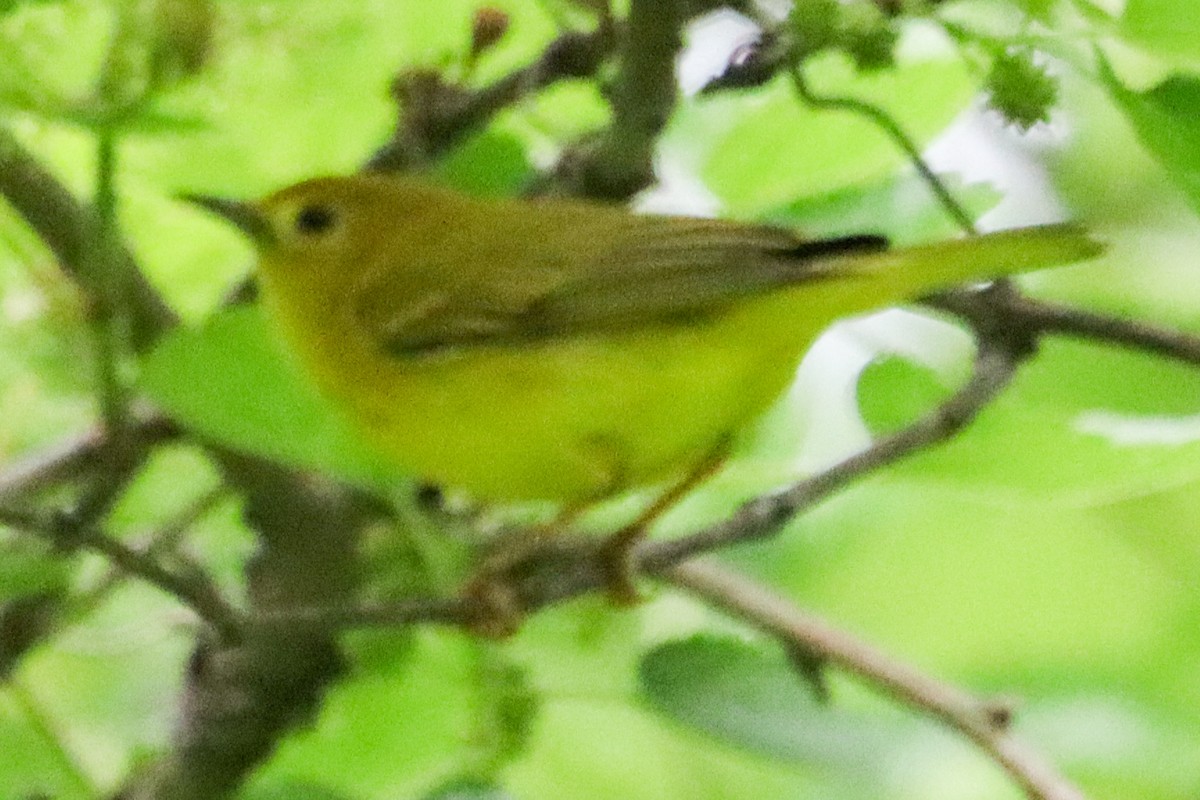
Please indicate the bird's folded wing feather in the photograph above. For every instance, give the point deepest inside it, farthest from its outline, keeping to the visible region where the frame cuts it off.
(552, 278)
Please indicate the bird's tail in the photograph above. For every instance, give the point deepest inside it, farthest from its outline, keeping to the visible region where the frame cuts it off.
(906, 272)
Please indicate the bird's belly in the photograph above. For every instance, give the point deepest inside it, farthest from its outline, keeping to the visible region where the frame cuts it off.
(582, 418)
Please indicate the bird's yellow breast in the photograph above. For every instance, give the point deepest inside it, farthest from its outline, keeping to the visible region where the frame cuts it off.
(566, 420)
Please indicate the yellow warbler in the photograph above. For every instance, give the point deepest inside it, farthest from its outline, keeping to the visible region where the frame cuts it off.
(565, 350)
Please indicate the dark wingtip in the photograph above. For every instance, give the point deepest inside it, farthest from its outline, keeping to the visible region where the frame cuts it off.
(840, 245)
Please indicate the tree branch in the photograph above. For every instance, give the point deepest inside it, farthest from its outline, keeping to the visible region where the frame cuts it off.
(1033, 317)
(242, 697)
(621, 162)
(191, 590)
(451, 611)
(78, 456)
(435, 115)
(68, 227)
(984, 723)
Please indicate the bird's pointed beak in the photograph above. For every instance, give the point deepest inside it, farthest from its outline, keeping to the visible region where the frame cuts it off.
(246, 217)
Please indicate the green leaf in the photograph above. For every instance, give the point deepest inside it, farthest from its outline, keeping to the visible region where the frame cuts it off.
(1021, 88)
(741, 695)
(1167, 120)
(290, 790)
(984, 588)
(1038, 9)
(320, 105)
(9, 6)
(398, 733)
(488, 165)
(151, 122)
(231, 380)
(27, 569)
(469, 789)
(34, 759)
(1164, 27)
(894, 392)
(99, 717)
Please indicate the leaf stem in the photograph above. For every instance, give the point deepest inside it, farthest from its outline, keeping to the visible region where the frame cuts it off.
(107, 313)
(882, 120)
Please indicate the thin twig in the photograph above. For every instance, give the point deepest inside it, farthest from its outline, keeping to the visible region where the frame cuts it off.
(985, 723)
(995, 365)
(892, 129)
(418, 610)
(161, 543)
(51, 613)
(436, 115)
(192, 590)
(78, 456)
(1035, 317)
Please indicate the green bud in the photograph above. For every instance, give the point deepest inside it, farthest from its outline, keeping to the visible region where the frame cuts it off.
(1021, 89)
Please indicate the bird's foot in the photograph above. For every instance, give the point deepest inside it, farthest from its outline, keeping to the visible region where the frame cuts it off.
(496, 608)
(616, 559)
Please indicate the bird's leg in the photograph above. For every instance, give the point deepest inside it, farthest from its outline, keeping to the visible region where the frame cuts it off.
(616, 552)
(519, 545)
(489, 587)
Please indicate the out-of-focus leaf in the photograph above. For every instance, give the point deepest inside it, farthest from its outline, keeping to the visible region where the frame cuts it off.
(1038, 9)
(469, 789)
(1167, 120)
(985, 587)
(418, 718)
(125, 660)
(153, 122)
(9, 6)
(33, 762)
(231, 380)
(290, 790)
(1164, 27)
(489, 165)
(29, 570)
(279, 114)
(894, 392)
(740, 695)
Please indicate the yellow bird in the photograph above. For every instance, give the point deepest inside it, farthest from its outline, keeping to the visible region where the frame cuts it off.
(565, 350)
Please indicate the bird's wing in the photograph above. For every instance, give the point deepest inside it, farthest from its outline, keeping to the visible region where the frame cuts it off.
(560, 272)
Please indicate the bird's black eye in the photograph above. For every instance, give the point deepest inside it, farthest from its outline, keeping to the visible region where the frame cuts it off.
(315, 219)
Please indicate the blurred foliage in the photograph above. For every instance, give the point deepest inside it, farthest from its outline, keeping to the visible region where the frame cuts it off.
(1049, 552)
